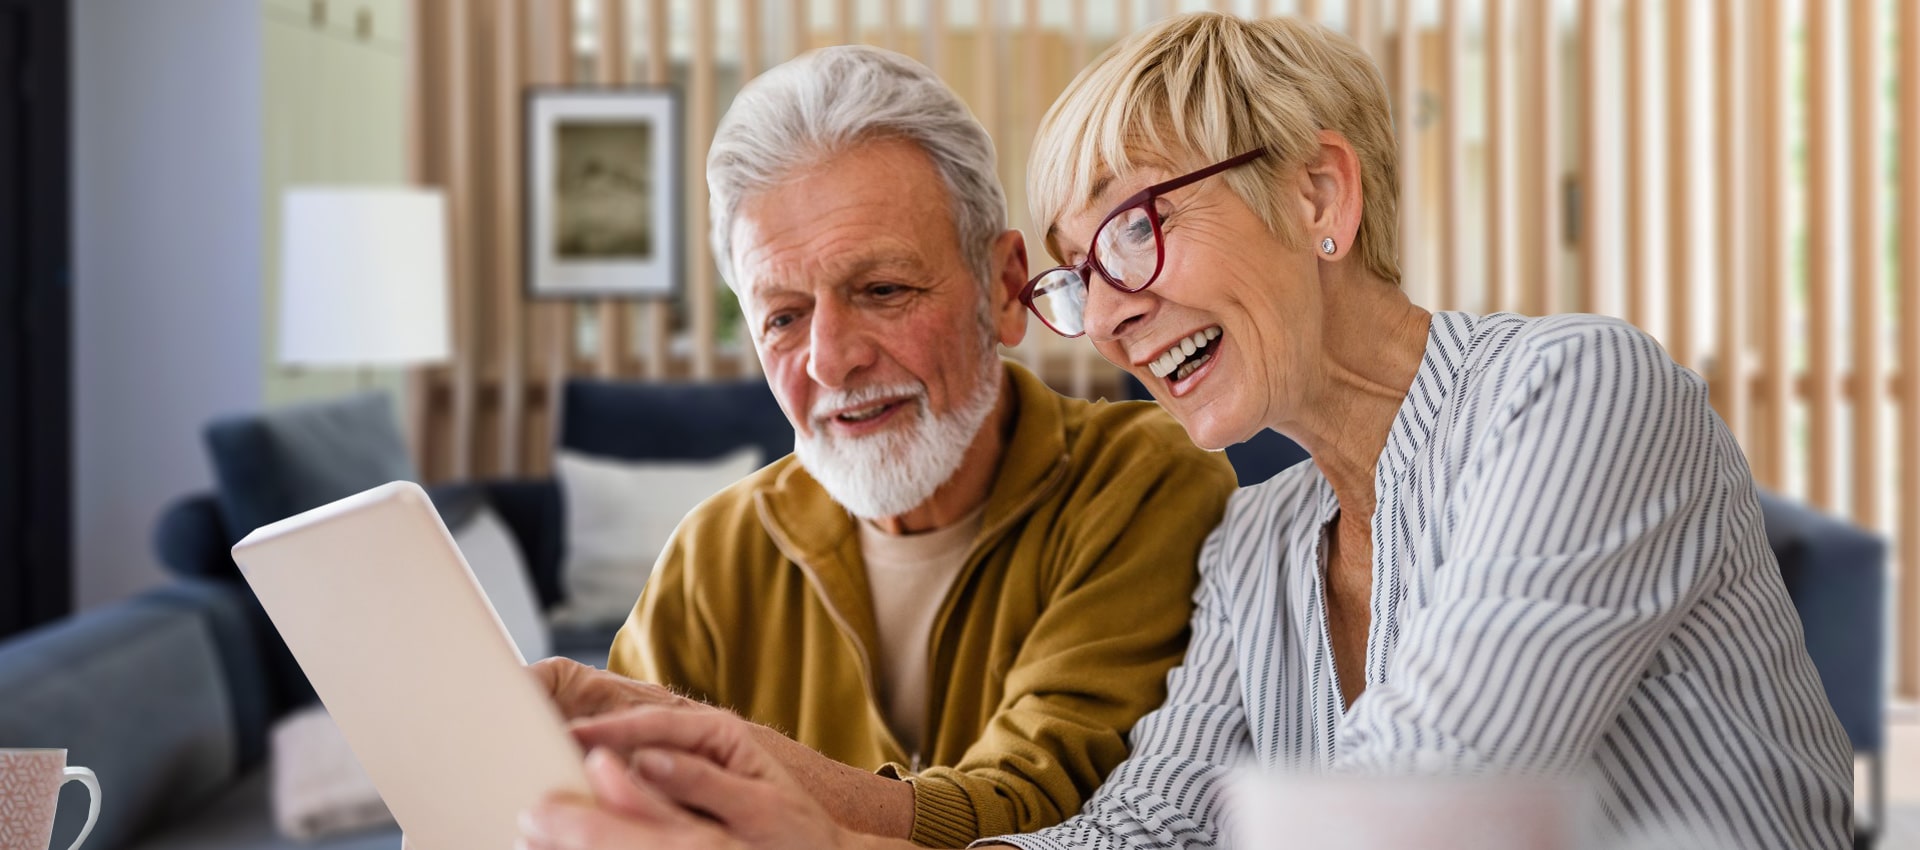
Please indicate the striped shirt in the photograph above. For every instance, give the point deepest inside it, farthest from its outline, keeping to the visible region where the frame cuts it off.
(1570, 578)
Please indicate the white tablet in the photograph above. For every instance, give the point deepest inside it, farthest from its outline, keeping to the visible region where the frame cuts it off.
(409, 657)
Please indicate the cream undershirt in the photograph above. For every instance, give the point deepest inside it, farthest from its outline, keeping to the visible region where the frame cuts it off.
(909, 576)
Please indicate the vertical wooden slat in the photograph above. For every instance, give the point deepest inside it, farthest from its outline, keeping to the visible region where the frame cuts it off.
(1310, 9)
(557, 319)
(1362, 22)
(1680, 168)
(1406, 109)
(1639, 206)
(1080, 378)
(1126, 18)
(460, 245)
(1594, 120)
(614, 315)
(425, 64)
(987, 65)
(750, 41)
(934, 37)
(1730, 311)
(848, 20)
(798, 12)
(509, 63)
(1772, 461)
(1542, 292)
(700, 122)
(750, 50)
(655, 315)
(1869, 387)
(1500, 150)
(483, 278)
(1453, 166)
(890, 24)
(1908, 677)
(1822, 241)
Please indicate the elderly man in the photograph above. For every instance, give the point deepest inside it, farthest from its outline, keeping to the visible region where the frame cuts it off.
(962, 588)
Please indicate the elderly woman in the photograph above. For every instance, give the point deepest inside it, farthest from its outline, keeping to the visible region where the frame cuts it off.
(1524, 545)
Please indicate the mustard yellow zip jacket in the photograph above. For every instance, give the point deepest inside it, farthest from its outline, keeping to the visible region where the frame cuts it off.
(1055, 638)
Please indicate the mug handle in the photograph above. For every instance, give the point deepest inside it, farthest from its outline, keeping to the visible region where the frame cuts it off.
(85, 777)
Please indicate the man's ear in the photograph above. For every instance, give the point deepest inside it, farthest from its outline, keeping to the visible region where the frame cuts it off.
(1009, 277)
(1331, 196)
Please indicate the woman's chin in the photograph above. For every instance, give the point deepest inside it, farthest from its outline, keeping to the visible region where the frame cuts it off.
(1215, 433)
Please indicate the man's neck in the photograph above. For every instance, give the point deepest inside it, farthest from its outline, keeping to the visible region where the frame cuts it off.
(971, 484)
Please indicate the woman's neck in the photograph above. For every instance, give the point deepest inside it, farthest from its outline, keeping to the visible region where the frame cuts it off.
(1372, 342)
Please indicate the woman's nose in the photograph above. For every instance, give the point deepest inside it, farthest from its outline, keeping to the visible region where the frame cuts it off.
(1111, 312)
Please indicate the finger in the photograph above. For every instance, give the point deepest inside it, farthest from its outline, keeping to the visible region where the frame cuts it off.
(562, 823)
(701, 785)
(552, 671)
(716, 735)
(615, 788)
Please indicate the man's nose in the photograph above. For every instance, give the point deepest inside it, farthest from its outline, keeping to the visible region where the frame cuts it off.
(840, 345)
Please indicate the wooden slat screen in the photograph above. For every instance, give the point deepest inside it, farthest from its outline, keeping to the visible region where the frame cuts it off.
(1622, 156)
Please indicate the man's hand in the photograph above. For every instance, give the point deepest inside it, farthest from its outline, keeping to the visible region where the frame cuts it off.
(582, 691)
(859, 800)
(696, 779)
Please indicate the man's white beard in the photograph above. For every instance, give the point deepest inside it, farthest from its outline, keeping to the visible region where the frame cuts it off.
(892, 472)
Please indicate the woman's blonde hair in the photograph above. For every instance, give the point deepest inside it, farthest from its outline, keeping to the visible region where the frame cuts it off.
(1199, 88)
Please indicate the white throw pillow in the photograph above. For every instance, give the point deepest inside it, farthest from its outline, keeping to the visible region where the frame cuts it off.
(495, 560)
(319, 788)
(620, 514)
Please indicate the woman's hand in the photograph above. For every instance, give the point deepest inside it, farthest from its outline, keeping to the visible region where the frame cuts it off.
(694, 778)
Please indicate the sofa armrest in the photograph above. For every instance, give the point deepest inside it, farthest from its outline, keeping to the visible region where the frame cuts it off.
(192, 540)
(532, 510)
(1836, 575)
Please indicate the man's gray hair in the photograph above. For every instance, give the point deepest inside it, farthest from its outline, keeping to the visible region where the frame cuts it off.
(827, 101)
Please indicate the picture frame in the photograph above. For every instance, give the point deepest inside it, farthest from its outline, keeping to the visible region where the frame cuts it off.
(601, 192)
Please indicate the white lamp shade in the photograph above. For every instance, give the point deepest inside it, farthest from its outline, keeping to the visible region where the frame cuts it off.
(363, 277)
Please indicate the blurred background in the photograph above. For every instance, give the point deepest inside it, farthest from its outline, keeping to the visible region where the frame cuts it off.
(1739, 177)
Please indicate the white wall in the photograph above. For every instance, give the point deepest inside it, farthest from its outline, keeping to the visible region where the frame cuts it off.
(166, 245)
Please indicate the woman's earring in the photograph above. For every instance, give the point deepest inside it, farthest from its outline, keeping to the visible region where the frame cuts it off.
(1327, 246)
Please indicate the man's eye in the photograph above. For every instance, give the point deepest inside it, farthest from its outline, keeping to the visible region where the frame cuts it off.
(779, 320)
(885, 290)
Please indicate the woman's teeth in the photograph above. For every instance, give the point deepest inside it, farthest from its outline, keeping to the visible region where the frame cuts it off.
(1182, 354)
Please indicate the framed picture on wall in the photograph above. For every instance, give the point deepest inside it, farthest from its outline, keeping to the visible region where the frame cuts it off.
(601, 192)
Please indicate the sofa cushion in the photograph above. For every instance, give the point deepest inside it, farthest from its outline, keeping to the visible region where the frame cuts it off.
(1836, 575)
(673, 421)
(272, 465)
(620, 515)
(133, 691)
(233, 619)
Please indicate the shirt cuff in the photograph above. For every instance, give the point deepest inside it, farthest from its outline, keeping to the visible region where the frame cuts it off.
(943, 814)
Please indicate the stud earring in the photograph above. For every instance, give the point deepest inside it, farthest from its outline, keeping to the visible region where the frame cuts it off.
(1327, 246)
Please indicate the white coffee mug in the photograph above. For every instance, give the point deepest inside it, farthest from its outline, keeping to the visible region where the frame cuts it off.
(1391, 813)
(30, 783)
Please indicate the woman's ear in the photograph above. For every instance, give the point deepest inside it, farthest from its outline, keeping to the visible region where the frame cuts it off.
(1331, 196)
